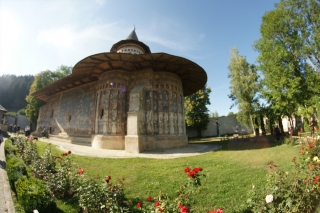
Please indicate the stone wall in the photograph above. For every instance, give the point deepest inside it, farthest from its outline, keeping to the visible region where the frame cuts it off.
(228, 125)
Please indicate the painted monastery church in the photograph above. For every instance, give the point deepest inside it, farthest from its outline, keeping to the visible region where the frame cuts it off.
(126, 99)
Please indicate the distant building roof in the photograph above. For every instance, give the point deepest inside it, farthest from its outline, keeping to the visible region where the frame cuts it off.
(3, 109)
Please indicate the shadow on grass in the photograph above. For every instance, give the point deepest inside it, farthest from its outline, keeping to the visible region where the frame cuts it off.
(245, 143)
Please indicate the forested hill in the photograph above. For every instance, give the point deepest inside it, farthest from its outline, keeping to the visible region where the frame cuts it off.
(13, 91)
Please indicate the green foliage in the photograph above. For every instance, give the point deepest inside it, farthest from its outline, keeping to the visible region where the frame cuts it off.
(96, 196)
(22, 112)
(11, 113)
(62, 182)
(32, 194)
(44, 166)
(290, 141)
(243, 87)
(196, 111)
(26, 148)
(9, 148)
(15, 170)
(183, 200)
(289, 56)
(214, 114)
(232, 114)
(297, 191)
(14, 90)
(42, 80)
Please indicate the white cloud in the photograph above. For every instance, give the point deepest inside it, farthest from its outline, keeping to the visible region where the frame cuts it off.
(69, 36)
(10, 38)
(100, 2)
(172, 35)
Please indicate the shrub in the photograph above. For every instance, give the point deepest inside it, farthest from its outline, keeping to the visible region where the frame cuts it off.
(182, 203)
(9, 148)
(63, 182)
(32, 194)
(15, 170)
(290, 141)
(95, 196)
(29, 152)
(45, 165)
(298, 191)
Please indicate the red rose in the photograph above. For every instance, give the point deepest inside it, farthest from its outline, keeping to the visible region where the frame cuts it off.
(139, 205)
(191, 174)
(196, 170)
(187, 170)
(149, 198)
(219, 210)
(69, 152)
(157, 203)
(184, 209)
(316, 179)
(310, 145)
(80, 171)
(160, 210)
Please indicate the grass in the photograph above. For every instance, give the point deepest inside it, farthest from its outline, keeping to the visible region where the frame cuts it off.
(229, 174)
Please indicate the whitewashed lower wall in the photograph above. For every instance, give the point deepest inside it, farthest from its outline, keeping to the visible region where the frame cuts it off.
(228, 125)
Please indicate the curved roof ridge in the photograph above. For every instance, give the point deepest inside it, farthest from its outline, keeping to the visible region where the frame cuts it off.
(133, 35)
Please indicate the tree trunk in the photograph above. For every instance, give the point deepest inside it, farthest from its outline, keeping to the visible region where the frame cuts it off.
(271, 126)
(280, 124)
(263, 129)
(252, 125)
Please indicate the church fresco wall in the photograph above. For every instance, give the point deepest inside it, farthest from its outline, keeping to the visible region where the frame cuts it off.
(101, 110)
(69, 112)
(163, 106)
(112, 103)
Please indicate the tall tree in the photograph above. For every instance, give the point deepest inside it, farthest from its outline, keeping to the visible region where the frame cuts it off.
(243, 87)
(289, 56)
(42, 80)
(197, 113)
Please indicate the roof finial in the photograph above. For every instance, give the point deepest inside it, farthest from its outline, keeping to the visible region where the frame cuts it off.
(134, 27)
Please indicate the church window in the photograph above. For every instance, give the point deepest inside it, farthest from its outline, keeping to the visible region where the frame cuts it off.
(101, 113)
(69, 117)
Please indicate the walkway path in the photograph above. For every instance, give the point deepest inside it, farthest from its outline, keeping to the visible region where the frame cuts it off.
(190, 150)
(6, 204)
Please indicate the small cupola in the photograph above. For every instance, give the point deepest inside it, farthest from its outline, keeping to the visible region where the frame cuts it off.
(131, 45)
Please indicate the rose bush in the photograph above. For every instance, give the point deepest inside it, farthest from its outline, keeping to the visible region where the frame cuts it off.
(298, 191)
(180, 204)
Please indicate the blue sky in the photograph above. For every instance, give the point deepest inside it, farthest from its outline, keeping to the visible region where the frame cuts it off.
(42, 35)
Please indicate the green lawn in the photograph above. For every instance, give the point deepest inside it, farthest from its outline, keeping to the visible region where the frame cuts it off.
(229, 174)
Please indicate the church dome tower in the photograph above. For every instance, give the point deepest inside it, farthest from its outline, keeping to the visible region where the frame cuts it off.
(131, 45)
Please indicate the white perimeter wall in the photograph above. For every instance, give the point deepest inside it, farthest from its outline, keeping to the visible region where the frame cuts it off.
(228, 125)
